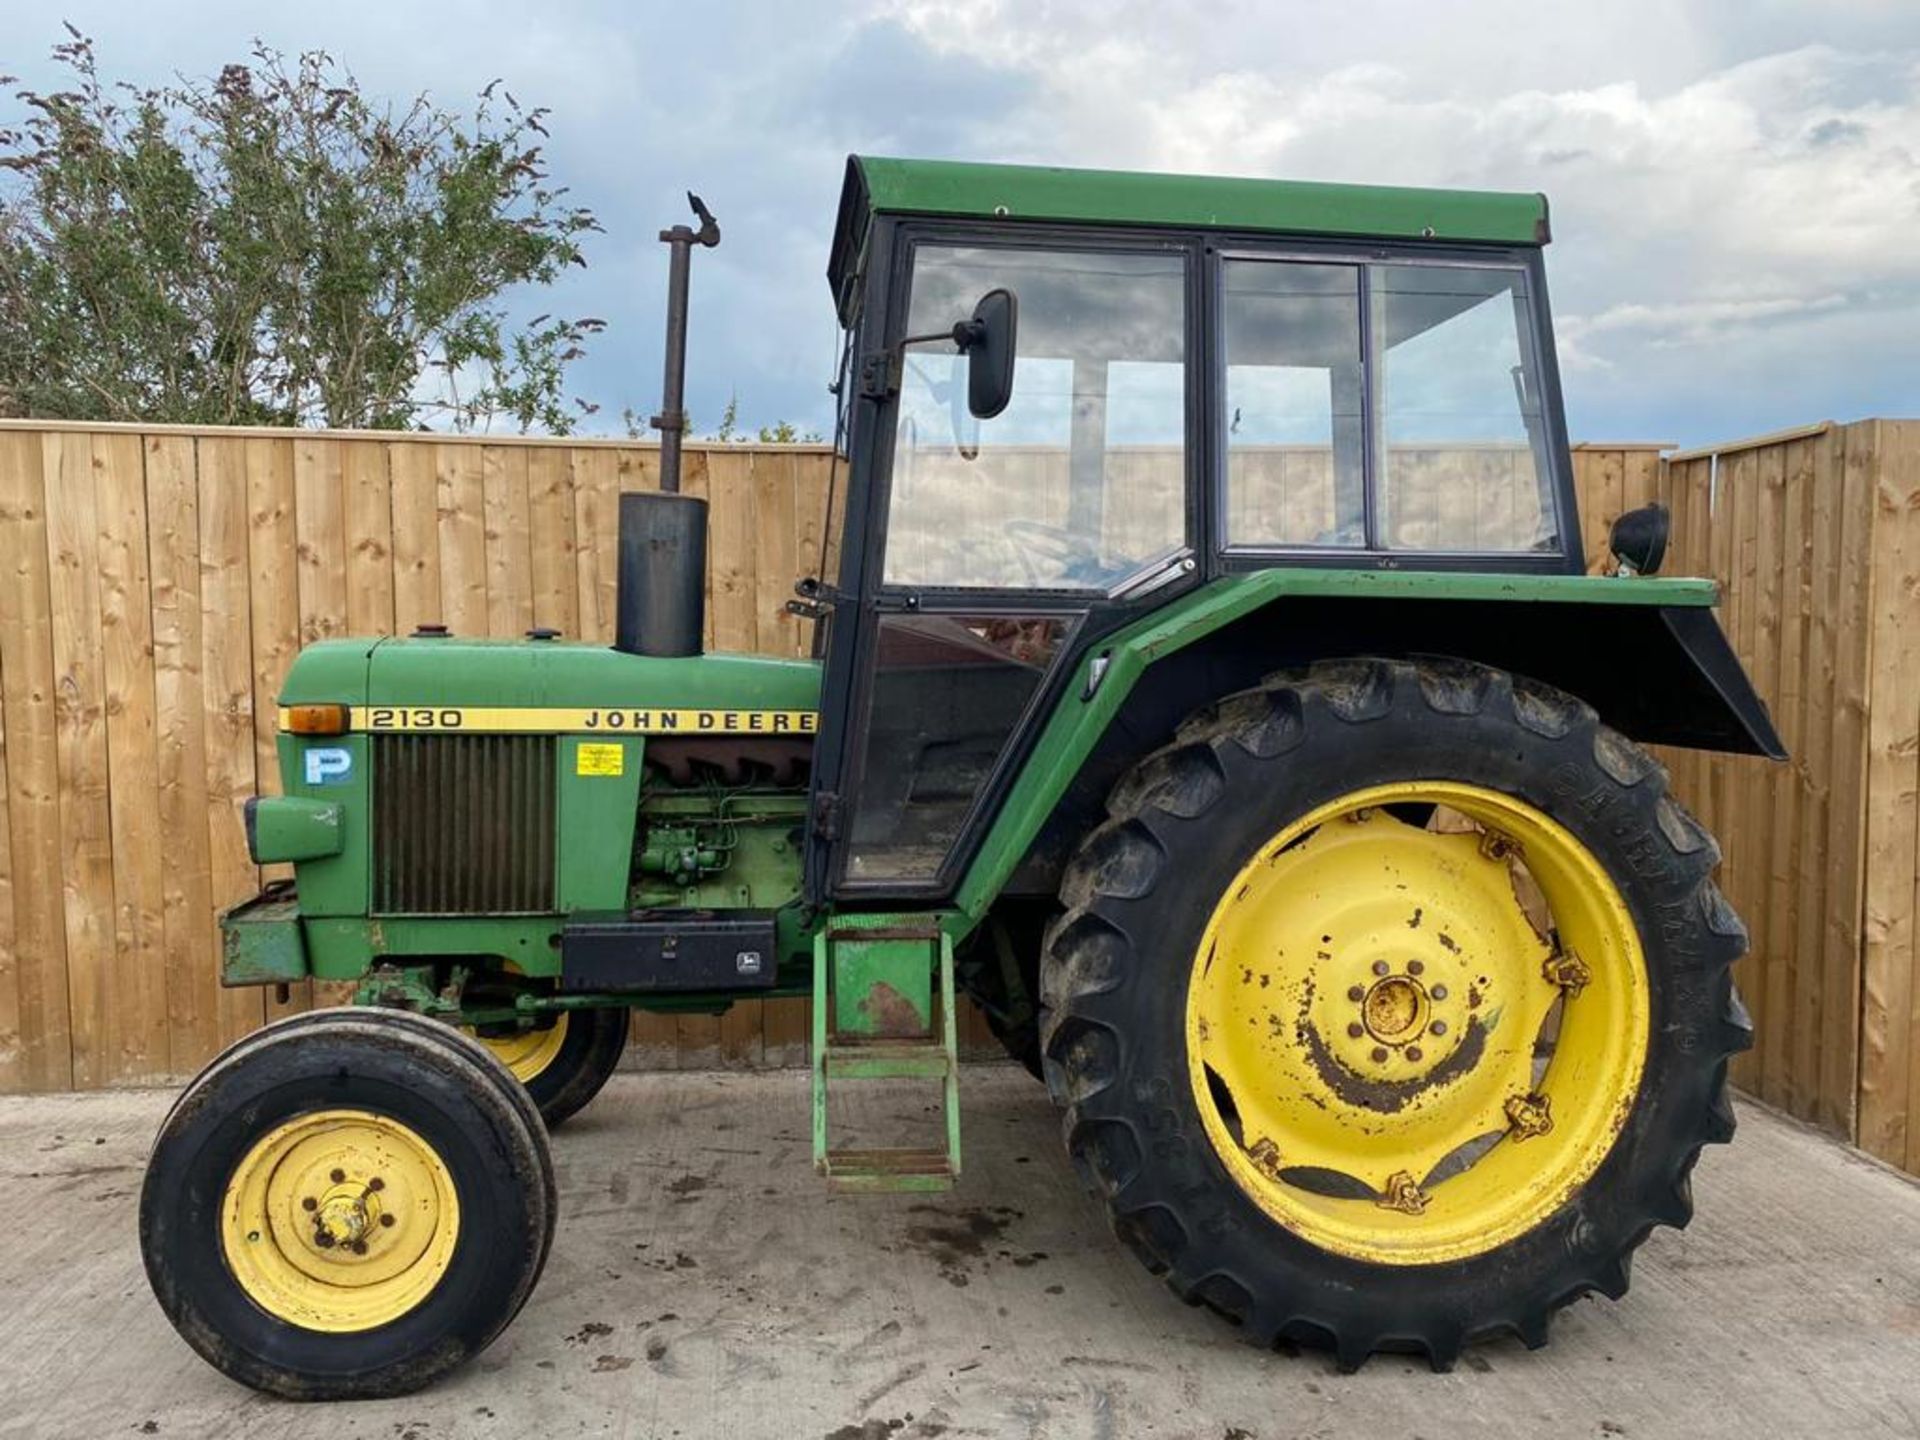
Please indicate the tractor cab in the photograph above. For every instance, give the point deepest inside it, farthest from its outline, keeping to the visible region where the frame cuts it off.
(1187, 379)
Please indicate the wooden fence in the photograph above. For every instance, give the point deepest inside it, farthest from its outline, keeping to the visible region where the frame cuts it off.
(155, 583)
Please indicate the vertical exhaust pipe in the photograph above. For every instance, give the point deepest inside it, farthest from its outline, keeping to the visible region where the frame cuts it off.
(662, 603)
(663, 574)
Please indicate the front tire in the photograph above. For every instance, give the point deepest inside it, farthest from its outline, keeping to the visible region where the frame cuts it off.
(1258, 1018)
(347, 1204)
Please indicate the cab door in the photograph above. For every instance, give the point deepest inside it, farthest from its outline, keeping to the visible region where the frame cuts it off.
(990, 554)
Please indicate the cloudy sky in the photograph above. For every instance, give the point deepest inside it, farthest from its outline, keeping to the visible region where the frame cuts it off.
(1735, 183)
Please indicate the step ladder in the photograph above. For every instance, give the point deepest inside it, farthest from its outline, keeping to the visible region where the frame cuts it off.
(874, 1018)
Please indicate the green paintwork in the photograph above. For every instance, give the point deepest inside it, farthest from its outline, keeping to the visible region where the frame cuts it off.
(339, 883)
(876, 185)
(329, 671)
(594, 847)
(547, 673)
(849, 961)
(1076, 726)
(291, 827)
(262, 941)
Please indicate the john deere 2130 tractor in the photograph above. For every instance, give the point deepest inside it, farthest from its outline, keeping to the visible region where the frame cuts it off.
(1212, 687)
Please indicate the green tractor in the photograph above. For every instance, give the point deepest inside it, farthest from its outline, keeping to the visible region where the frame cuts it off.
(1212, 688)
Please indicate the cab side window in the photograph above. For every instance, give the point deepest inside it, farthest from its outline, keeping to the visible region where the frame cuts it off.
(1081, 481)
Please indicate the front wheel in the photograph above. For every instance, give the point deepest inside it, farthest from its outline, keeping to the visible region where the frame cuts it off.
(347, 1204)
(1391, 1007)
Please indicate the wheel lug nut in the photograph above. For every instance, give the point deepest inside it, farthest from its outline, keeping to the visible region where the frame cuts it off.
(359, 1247)
(1439, 992)
(1414, 967)
(338, 1176)
(386, 1219)
(1413, 1052)
(1356, 994)
(1380, 967)
(376, 1183)
(1379, 1055)
(1439, 1027)
(1356, 1030)
(309, 1203)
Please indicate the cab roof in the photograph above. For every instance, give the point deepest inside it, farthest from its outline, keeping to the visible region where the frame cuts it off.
(876, 185)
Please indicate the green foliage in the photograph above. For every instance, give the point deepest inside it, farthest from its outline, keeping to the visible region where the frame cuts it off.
(272, 247)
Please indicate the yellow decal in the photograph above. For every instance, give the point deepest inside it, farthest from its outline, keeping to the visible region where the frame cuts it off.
(550, 721)
(599, 758)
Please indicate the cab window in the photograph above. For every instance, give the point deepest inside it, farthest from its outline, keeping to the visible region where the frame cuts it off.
(1080, 482)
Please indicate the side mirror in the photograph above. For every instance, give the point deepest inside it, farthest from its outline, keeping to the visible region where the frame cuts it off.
(987, 340)
(1639, 539)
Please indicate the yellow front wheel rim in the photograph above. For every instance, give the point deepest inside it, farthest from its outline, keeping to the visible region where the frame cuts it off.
(528, 1053)
(340, 1221)
(1417, 1022)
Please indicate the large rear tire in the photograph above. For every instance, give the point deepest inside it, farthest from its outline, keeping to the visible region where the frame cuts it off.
(347, 1204)
(1391, 1007)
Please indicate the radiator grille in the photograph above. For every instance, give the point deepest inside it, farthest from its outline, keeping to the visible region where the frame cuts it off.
(463, 824)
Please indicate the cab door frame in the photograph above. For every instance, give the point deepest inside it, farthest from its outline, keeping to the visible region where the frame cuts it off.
(862, 597)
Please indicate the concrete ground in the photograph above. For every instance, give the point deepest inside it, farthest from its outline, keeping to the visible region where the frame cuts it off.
(703, 1284)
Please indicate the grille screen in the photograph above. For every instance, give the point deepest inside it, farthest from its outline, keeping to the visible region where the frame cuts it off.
(463, 824)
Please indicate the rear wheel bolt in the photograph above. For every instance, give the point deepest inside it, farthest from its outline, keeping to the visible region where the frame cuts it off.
(1439, 992)
(376, 1183)
(1356, 994)
(1413, 1052)
(386, 1219)
(1379, 1055)
(338, 1176)
(1414, 967)
(309, 1203)
(1356, 1030)
(1380, 967)
(1439, 1027)
(359, 1247)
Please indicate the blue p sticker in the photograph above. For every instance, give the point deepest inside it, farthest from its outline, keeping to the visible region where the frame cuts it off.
(329, 765)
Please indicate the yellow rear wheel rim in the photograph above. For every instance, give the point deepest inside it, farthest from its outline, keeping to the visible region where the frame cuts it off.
(339, 1220)
(527, 1053)
(1414, 1032)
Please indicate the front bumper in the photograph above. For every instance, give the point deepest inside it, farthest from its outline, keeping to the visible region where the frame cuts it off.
(262, 941)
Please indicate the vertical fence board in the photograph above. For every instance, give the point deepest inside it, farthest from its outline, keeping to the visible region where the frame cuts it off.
(227, 682)
(138, 992)
(1892, 802)
(86, 869)
(12, 1054)
(555, 588)
(272, 541)
(28, 695)
(179, 693)
(414, 504)
(463, 540)
(367, 517)
(508, 531)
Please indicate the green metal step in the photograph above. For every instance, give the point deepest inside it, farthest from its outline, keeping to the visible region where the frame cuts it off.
(877, 1015)
(887, 1060)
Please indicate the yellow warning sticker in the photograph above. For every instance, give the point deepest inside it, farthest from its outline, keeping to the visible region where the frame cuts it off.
(591, 759)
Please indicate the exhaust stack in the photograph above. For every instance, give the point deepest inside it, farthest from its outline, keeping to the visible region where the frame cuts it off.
(662, 603)
(662, 606)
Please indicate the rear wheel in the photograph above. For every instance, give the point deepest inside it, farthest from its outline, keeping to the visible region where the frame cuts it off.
(347, 1204)
(565, 1064)
(1391, 1007)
